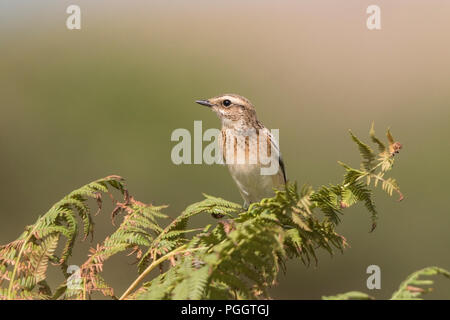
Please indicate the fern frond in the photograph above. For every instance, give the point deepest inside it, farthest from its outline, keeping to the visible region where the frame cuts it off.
(381, 146)
(39, 257)
(25, 261)
(411, 287)
(352, 295)
(361, 193)
(366, 153)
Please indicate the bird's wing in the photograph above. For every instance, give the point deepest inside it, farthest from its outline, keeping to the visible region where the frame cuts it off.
(275, 145)
(283, 169)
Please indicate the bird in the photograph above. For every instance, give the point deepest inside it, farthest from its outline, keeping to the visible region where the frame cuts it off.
(242, 141)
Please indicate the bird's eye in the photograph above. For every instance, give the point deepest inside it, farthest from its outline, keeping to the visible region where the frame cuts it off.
(226, 103)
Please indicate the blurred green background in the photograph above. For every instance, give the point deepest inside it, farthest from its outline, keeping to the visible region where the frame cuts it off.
(79, 105)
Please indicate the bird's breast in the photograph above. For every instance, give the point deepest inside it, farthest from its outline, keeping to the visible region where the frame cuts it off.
(246, 153)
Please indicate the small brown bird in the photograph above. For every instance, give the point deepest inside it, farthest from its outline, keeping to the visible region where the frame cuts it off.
(249, 149)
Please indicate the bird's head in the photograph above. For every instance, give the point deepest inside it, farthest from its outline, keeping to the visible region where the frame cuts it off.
(232, 109)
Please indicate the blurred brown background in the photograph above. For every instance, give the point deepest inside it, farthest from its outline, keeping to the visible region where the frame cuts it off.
(79, 105)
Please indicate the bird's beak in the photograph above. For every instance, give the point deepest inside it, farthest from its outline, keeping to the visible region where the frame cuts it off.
(204, 103)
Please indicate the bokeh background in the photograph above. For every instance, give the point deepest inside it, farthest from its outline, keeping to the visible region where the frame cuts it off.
(79, 105)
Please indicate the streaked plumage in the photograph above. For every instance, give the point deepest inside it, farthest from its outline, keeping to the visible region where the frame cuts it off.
(240, 124)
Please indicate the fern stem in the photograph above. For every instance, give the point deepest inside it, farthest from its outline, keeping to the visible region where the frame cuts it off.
(153, 265)
(19, 256)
